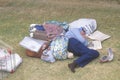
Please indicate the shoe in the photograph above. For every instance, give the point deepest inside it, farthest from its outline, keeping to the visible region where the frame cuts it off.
(110, 54)
(72, 66)
(108, 57)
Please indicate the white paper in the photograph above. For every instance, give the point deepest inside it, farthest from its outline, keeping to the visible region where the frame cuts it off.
(95, 45)
(32, 44)
(97, 35)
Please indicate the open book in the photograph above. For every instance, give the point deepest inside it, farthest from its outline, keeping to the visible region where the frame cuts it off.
(97, 35)
(97, 38)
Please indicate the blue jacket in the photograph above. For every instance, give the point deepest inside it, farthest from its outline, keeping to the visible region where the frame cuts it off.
(75, 33)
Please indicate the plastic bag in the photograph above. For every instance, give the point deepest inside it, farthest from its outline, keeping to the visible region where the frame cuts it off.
(47, 56)
(10, 63)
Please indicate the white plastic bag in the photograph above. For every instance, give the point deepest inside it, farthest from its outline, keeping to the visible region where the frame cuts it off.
(47, 56)
(10, 63)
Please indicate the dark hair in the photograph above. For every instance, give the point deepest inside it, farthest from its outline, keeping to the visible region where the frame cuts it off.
(83, 30)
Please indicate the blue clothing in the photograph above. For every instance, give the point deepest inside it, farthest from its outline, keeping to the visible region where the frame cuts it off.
(78, 49)
(39, 27)
(75, 33)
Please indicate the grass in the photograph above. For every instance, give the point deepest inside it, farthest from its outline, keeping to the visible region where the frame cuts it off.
(17, 15)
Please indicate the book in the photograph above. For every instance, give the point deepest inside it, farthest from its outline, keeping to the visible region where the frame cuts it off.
(97, 35)
(32, 44)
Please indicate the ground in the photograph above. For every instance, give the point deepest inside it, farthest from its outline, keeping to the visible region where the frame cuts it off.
(17, 15)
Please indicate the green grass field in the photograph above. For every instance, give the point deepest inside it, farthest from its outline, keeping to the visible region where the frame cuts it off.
(17, 15)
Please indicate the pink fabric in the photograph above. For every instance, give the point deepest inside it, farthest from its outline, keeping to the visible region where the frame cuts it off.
(52, 30)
